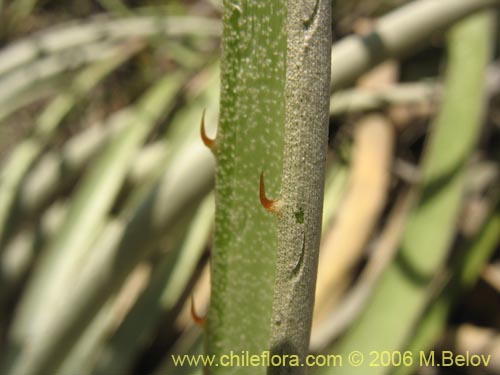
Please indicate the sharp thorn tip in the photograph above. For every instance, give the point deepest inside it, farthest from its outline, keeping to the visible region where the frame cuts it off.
(199, 320)
(206, 140)
(269, 204)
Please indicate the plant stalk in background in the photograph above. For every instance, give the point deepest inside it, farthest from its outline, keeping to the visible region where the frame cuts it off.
(401, 297)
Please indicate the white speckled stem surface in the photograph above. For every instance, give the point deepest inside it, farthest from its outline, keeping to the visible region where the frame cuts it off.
(249, 140)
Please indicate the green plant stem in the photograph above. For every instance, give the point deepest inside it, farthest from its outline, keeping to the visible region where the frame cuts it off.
(301, 196)
(249, 140)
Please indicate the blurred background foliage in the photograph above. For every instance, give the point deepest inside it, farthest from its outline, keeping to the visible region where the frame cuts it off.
(106, 208)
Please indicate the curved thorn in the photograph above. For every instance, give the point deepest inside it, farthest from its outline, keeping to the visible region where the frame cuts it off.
(207, 141)
(268, 204)
(199, 320)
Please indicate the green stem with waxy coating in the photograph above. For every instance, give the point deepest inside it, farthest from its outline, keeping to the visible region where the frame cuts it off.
(249, 140)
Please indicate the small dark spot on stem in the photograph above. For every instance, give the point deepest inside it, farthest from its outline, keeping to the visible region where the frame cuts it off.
(299, 216)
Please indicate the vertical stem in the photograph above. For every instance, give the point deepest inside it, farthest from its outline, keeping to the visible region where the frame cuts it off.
(301, 200)
(249, 140)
